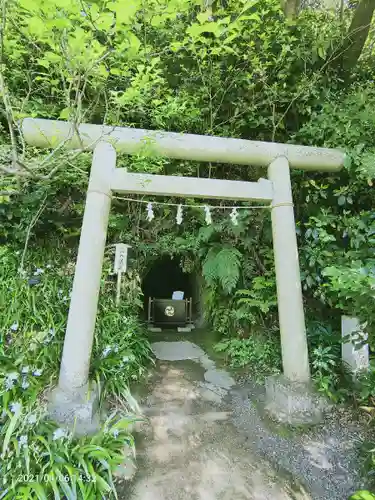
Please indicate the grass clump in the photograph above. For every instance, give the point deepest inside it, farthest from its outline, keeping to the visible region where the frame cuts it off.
(40, 460)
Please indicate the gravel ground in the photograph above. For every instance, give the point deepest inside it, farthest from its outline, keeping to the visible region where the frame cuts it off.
(198, 414)
(325, 458)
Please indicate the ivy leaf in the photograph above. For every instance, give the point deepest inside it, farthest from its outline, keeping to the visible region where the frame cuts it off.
(347, 162)
(134, 44)
(203, 17)
(64, 114)
(195, 29)
(125, 11)
(321, 52)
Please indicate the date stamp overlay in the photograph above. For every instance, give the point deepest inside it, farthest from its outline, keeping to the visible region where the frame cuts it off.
(45, 478)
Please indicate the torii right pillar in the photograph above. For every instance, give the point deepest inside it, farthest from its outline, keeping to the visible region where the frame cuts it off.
(289, 397)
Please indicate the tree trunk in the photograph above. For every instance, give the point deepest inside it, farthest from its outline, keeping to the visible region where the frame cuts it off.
(357, 35)
(291, 8)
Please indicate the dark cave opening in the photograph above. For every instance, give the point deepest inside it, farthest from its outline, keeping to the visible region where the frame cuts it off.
(166, 276)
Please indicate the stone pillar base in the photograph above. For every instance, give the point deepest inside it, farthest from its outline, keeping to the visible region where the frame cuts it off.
(77, 409)
(293, 403)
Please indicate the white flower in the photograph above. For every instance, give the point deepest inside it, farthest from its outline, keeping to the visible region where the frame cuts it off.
(125, 359)
(32, 419)
(25, 369)
(23, 440)
(106, 351)
(59, 434)
(9, 381)
(208, 215)
(115, 433)
(52, 332)
(14, 327)
(16, 408)
(150, 212)
(38, 272)
(25, 384)
(234, 215)
(48, 266)
(9, 384)
(179, 215)
(37, 373)
(59, 292)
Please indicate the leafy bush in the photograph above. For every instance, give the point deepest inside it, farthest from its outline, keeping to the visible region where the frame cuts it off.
(325, 357)
(222, 267)
(120, 351)
(354, 290)
(259, 300)
(38, 458)
(260, 354)
(363, 495)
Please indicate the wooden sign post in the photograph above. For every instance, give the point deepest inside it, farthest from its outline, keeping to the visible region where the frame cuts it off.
(121, 263)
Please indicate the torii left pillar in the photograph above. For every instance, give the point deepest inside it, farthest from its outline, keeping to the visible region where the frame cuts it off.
(73, 400)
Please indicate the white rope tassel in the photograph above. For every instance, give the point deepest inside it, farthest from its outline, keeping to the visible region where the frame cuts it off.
(179, 215)
(234, 215)
(208, 215)
(150, 212)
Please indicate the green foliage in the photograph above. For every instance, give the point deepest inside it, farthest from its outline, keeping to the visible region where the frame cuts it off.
(222, 267)
(258, 301)
(241, 70)
(325, 355)
(363, 495)
(39, 459)
(354, 288)
(120, 350)
(259, 354)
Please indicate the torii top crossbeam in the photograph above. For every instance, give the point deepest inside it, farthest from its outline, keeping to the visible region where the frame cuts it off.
(50, 133)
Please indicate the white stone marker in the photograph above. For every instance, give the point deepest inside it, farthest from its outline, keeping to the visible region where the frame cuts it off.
(357, 358)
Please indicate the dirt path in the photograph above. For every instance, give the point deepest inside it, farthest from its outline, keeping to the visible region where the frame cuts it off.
(190, 449)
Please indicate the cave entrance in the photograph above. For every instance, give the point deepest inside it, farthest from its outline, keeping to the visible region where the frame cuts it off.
(161, 308)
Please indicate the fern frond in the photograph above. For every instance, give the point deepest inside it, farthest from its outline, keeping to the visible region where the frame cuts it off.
(209, 268)
(223, 266)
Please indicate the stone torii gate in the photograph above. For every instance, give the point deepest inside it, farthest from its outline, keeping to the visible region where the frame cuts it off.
(289, 397)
